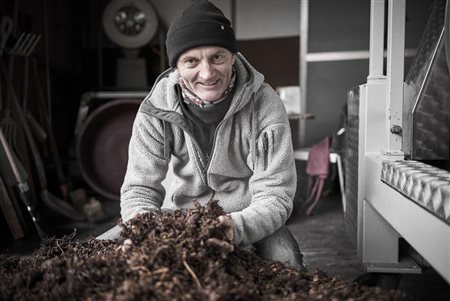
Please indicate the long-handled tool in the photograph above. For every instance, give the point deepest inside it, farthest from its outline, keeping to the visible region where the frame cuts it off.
(10, 213)
(49, 199)
(14, 173)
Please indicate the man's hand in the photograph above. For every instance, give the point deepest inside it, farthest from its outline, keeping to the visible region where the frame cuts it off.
(228, 224)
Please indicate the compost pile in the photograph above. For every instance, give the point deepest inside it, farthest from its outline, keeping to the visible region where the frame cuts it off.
(184, 255)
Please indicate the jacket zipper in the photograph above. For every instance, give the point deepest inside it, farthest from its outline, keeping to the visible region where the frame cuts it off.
(198, 151)
(200, 156)
(217, 129)
(265, 149)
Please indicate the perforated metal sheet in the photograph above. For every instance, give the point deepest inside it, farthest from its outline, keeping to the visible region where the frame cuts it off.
(426, 107)
(424, 184)
(351, 164)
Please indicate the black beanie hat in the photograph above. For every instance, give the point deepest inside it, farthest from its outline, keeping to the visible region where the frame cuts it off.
(200, 24)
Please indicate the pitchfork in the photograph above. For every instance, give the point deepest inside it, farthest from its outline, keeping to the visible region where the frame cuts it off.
(23, 46)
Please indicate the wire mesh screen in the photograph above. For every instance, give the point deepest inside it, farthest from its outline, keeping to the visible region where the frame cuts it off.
(351, 165)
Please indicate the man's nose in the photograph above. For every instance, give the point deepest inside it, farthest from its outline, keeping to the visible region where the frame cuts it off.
(206, 70)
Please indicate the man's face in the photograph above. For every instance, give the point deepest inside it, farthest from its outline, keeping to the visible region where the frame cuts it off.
(206, 71)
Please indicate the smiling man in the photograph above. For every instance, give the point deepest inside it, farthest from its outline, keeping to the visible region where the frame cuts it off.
(207, 72)
(224, 131)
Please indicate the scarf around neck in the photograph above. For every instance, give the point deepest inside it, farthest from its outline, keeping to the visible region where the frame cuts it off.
(190, 97)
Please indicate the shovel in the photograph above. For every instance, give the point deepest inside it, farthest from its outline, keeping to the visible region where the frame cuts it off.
(49, 200)
(13, 172)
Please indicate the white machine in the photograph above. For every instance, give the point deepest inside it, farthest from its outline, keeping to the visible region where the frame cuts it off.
(399, 197)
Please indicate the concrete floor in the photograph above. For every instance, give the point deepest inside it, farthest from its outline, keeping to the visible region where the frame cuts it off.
(323, 240)
(327, 247)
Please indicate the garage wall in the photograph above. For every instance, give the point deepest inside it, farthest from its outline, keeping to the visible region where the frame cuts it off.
(255, 19)
(334, 26)
(344, 26)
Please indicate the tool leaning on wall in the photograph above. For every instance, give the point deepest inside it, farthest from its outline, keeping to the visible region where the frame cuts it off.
(15, 115)
(16, 177)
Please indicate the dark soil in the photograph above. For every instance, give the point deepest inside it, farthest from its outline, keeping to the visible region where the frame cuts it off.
(184, 255)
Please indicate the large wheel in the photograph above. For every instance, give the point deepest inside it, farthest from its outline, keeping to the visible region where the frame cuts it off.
(102, 146)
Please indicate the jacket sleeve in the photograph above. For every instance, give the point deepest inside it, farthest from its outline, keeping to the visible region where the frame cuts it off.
(274, 180)
(147, 167)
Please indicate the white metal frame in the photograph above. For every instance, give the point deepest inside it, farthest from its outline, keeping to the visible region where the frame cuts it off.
(384, 215)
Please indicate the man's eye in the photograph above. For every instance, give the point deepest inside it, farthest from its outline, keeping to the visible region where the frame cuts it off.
(190, 62)
(218, 58)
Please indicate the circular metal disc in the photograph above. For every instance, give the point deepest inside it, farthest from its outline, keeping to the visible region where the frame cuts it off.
(130, 23)
(102, 146)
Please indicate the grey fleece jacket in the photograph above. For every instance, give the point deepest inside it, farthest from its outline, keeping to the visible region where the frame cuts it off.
(251, 171)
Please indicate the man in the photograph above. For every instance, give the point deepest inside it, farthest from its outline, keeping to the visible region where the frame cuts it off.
(225, 132)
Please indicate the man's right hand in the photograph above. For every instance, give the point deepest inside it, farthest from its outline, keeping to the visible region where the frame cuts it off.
(228, 224)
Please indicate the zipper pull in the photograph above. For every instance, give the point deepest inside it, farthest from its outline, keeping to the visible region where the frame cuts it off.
(265, 142)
